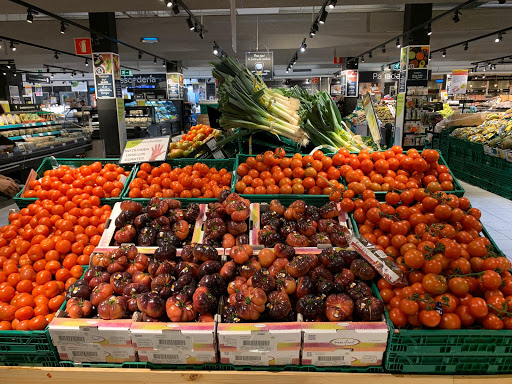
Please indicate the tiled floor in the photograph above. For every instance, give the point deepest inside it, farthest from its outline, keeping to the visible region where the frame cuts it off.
(496, 214)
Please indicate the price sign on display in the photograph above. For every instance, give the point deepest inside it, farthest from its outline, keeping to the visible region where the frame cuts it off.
(145, 150)
(371, 118)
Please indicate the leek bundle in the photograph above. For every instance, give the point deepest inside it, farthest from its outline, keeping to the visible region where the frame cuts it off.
(246, 102)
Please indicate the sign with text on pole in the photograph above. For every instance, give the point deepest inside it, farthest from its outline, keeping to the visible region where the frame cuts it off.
(107, 75)
(417, 64)
(145, 150)
(261, 63)
(175, 86)
(351, 83)
(459, 81)
(371, 118)
(83, 46)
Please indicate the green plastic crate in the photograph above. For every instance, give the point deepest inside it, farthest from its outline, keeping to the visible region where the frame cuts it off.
(285, 199)
(229, 164)
(46, 166)
(27, 348)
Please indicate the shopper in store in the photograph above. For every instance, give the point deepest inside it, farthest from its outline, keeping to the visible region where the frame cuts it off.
(8, 187)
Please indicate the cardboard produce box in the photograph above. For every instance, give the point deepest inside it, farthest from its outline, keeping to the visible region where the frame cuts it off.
(94, 353)
(174, 343)
(344, 343)
(260, 358)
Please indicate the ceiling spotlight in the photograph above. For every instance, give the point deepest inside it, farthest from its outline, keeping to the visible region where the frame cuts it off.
(48, 70)
(323, 17)
(86, 62)
(168, 3)
(12, 46)
(331, 5)
(444, 52)
(398, 43)
(456, 16)
(51, 76)
(30, 17)
(190, 23)
(72, 75)
(164, 64)
(56, 55)
(495, 85)
(498, 38)
(383, 49)
(389, 67)
(154, 60)
(429, 29)
(140, 55)
(370, 55)
(362, 59)
(15, 74)
(303, 46)
(175, 9)
(287, 69)
(62, 27)
(8, 65)
(466, 46)
(502, 1)
(4, 73)
(83, 74)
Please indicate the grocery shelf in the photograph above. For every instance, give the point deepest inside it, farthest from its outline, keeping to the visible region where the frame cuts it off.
(27, 125)
(34, 135)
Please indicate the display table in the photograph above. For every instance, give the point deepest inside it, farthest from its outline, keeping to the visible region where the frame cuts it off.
(20, 375)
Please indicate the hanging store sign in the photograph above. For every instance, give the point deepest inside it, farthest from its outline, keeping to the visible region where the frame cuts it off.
(175, 86)
(126, 72)
(103, 75)
(261, 63)
(36, 79)
(142, 81)
(371, 118)
(351, 83)
(417, 64)
(459, 81)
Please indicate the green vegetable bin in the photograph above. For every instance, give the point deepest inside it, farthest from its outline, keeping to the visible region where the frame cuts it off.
(46, 165)
(27, 348)
(229, 164)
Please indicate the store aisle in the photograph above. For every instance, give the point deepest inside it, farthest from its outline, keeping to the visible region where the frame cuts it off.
(496, 215)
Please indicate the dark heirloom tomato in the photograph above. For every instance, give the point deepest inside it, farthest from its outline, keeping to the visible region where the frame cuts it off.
(162, 284)
(215, 228)
(238, 211)
(310, 306)
(112, 308)
(241, 239)
(358, 289)
(120, 280)
(228, 270)
(319, 238)
(360, 268)
(279, 265)
(142, 278)
(78, 308)
(79, 289)
(125, 218)
(250, 268)
(339, 307)
(320, 273)
(268, 236)
(126, 234)
(187, 254)
(192, 212)
(326, 287)
(131, 292)
(235, 285)
(181, 229)
(205, 252)
(204, 301)
(241, 253)
(156, 268)
(276, 206)
(284, 251)
(206, 318)
(307, 227)
(295, 239)
(179, 308)
(285, 283)
(348, 255)
(166, 238)
(130, 205)
(236, 227)
(215, 210)
(161, 223)
(331, 259)
(173, 203)
(339, 234)
(278, 305)
(299, 266)
(101, 292)
(118, 265)
(369, 308)
(156, 207)
(263, 280)
(175, 215)
(186, 268)
(305, 286)
(165, 252)
(151, 303)
(223, 195)
(312, 213)
(313, 260)
(345, 277)
(185, 284)
(288, 227)
(209, 267)
(269, 218)
(298, 208)
(146, 237)
(329, 210)
(229, 315)
(139, 263)
(250, 302)
(98, 278)
(142, 221)
(326, 225)
(215, 283)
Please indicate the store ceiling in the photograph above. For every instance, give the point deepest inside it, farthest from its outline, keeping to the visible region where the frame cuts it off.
(355, 27)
